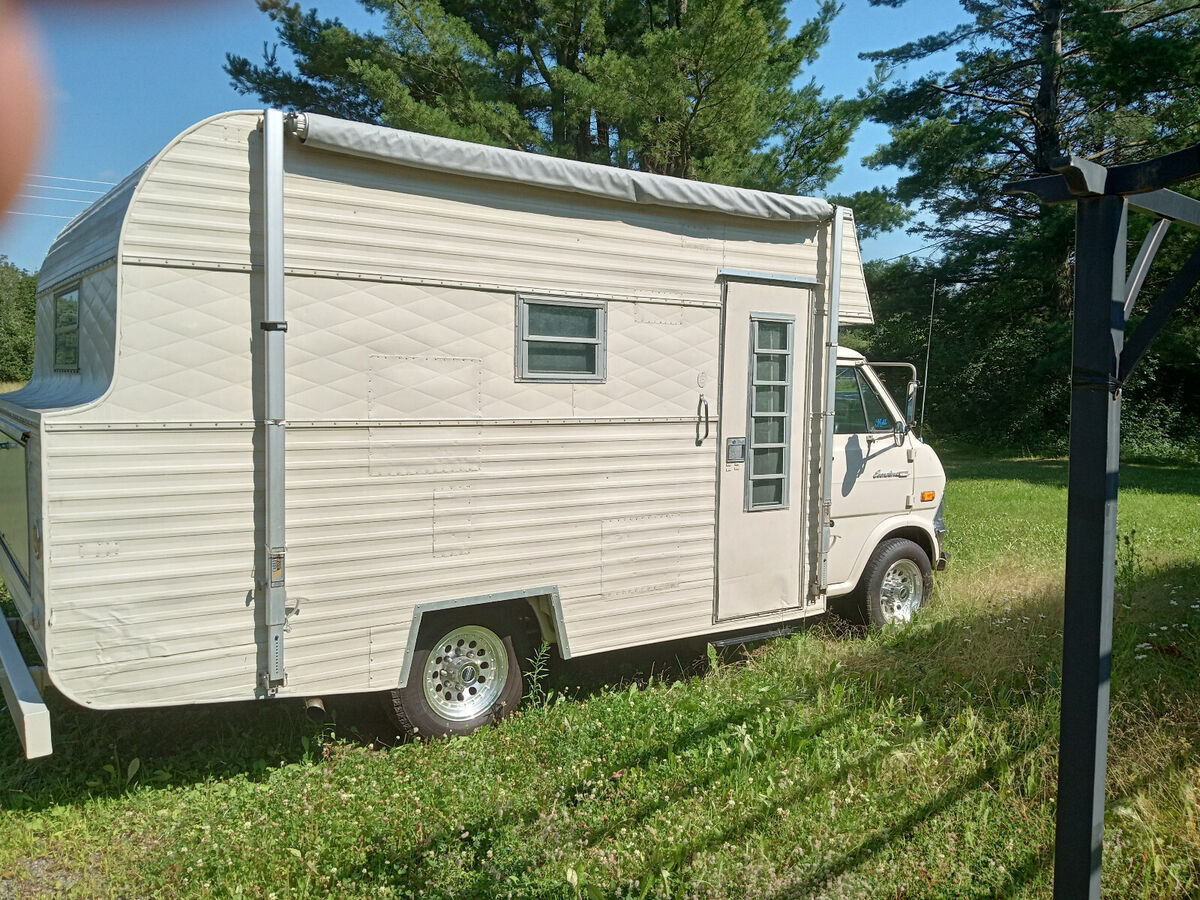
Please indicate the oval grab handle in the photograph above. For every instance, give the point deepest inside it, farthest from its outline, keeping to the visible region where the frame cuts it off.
(701, 405)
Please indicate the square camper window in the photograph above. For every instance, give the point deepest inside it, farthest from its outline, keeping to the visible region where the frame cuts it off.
(66, 331)
(560, 340)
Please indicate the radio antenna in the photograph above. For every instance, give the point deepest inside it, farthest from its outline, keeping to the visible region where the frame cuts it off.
(928, 346)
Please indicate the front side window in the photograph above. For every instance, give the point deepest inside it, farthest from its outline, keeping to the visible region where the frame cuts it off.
(66, 332)
(770, 412)
(858, 409)
(560, 340)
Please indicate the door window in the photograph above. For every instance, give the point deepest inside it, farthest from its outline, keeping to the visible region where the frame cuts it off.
(858, 409)
(770, 412)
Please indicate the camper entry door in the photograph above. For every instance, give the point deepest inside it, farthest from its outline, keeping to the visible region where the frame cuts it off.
(761, 508)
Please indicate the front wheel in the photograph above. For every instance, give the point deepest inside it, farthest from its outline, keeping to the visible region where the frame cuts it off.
(466, 672)
(897, 581)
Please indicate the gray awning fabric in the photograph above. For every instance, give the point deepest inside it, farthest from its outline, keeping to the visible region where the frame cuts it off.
(461, 157)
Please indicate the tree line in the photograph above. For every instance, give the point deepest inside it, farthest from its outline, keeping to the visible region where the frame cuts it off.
(18, 302)
(716, 90)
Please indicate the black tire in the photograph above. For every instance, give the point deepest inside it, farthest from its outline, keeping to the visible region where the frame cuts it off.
(896, 583)
(466, 672)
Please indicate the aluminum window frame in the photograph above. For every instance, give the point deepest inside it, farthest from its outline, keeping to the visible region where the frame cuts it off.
(785, 416)
(61, 330)
(524, 338)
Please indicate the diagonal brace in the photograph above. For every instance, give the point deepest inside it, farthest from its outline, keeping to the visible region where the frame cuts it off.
(1185, 279)
(1141, 266)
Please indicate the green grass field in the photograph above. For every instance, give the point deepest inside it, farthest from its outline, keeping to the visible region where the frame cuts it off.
(918, 763)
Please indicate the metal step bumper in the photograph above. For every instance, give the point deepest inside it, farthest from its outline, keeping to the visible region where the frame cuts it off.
(21, 695)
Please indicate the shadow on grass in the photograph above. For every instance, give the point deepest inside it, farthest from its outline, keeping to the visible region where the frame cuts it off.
(926, 666)
(179, 746)
(93, 750)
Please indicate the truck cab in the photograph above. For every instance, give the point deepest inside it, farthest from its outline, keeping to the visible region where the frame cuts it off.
(885, 520)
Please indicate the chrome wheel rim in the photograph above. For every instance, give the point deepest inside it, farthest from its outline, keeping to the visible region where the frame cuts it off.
(465, 673)
(902, 591)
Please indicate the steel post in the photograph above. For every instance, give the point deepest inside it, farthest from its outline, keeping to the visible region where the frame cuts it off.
(1098, 337)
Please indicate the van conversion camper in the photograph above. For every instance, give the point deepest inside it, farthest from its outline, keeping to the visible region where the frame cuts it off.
(321, 407)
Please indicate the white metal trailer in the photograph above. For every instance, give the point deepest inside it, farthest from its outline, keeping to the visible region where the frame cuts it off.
(322, 407)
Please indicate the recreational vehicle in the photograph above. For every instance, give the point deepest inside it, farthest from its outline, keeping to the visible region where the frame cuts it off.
(321, 407)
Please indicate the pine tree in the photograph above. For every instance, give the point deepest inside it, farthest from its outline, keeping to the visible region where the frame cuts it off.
(1034, 80)
(693, 88)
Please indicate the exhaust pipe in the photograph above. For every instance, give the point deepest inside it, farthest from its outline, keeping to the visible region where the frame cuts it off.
(314, 708)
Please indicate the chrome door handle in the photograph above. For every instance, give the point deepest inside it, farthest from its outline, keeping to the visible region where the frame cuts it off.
(702, 405)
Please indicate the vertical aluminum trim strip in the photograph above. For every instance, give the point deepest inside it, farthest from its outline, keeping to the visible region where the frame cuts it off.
(831, 348)
(275, 423)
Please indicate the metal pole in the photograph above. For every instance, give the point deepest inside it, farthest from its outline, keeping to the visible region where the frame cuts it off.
(274, 327)
(1098, 338)
(833, 294)
(928, 348)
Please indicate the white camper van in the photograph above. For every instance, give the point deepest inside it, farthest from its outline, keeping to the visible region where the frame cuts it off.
(322, 407)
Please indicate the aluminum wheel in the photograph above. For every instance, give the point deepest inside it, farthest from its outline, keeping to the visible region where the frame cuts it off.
(465, 673)
(902, 591)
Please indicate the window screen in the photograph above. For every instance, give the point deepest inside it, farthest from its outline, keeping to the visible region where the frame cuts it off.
(66, 332)
(770, 412)
(560, 340)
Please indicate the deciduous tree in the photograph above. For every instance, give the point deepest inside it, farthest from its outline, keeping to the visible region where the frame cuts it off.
(18, 290)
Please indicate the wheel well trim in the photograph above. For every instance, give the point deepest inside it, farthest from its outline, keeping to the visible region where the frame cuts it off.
(899, 526)
(531, 595)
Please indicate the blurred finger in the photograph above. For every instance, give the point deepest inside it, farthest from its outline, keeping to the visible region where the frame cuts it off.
(21, 93)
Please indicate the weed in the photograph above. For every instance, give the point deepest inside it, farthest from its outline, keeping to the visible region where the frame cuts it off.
(1130, 566)
(539, 668)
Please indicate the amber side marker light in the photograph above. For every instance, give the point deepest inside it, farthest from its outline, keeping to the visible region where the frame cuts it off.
(926, 496)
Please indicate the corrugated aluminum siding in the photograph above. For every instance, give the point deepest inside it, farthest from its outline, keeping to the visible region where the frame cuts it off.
(598, 489)
(197, 206)
(91, 238)
(153, 531)
(152, 565)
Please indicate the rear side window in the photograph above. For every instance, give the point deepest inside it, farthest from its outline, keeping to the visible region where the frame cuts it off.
(66, 331)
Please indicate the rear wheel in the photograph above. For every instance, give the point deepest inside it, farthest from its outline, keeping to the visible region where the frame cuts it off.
(466, 672)
(897, 581)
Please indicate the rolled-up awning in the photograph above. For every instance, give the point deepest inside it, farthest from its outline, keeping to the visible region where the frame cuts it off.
(496, 163)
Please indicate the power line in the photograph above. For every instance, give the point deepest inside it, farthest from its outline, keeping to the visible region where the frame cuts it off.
(17, 212)
(81, 180)
(918, 250)
(59, 199)
(55, 187)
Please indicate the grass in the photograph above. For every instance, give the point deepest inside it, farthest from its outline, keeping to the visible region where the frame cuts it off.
(918, 763)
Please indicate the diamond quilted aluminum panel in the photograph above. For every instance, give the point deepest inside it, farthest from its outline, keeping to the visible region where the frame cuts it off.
(49, 389)
(185, 351)
(424, 387)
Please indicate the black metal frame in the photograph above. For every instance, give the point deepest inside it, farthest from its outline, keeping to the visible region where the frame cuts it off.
(1101, 363)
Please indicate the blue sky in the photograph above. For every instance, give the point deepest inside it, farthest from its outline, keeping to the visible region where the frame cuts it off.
(125, 79)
